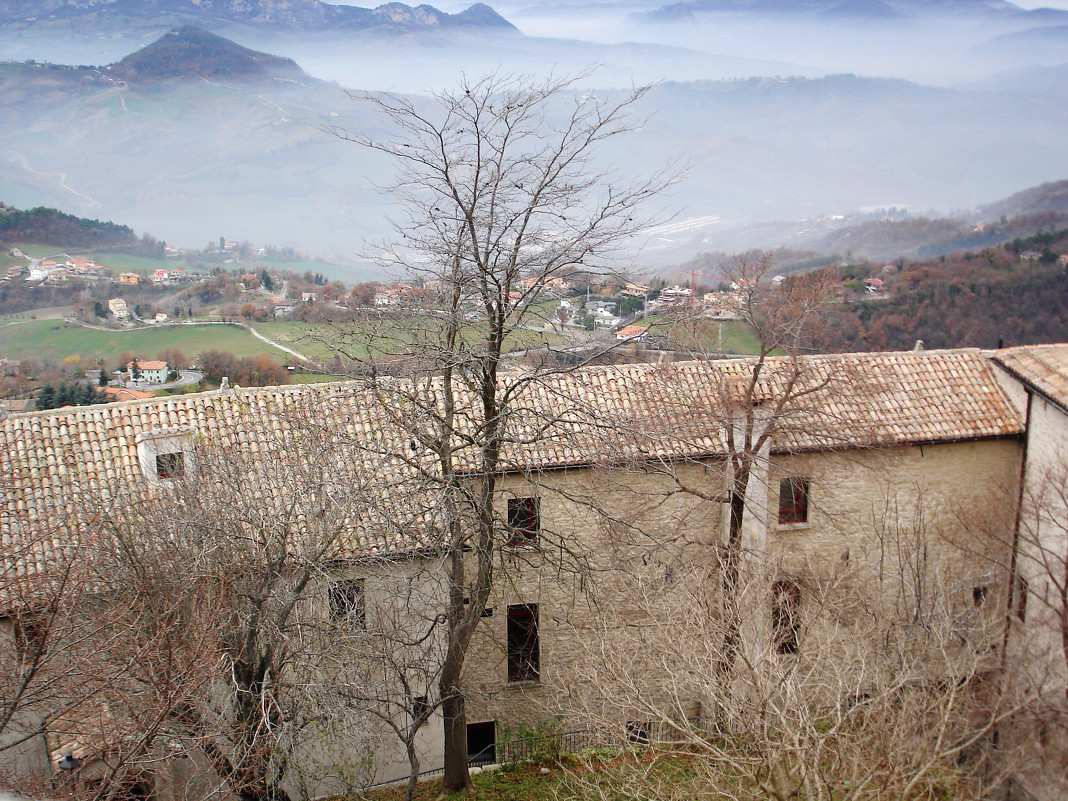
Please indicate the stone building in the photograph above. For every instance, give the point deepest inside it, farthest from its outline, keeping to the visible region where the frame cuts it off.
(881, 465)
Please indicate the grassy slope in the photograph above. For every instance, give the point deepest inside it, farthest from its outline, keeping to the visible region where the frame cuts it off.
(38, 339)
(619, 779)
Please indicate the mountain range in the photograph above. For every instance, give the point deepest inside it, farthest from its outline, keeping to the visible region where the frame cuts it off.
(195, 135)
(300, 14)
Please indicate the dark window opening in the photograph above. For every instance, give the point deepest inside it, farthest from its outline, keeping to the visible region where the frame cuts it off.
(523, 646)
(979, 595)
(1020, 601)
(420, 709)
(170, 465)
(793, 500)
(347, 602)
(31, 634)
(638, 732)
(785, 616)
(482, 743)
(524, 521)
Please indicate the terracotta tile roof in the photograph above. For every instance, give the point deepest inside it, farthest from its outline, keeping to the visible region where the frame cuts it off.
(123, 394)
(51, 462)
(682, 409)
(148, 364)
(1044, 367)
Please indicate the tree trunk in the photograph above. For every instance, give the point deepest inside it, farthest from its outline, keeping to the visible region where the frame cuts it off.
(413, 763)
(456, 778)
(731, 567)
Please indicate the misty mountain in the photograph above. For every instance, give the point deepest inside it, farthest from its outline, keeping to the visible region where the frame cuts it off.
(250, 157)
(190, 52)
(874, 9)
(298, 14)
(1049, 197)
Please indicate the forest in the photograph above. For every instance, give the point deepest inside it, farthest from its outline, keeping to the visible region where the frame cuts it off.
(1012, 294)
(44, 226)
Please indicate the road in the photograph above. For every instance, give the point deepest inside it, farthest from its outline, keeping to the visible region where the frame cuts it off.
(185, 378)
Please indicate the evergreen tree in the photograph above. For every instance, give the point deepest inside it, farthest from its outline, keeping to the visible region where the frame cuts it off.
(266, 282)
(46, 398)
(103, 378)
(64, 396)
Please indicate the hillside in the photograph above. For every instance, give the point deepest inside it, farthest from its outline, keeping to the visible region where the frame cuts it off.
(190, 52)
(53, 227)
(1049, 197)
(1008, 295)
(923, 237)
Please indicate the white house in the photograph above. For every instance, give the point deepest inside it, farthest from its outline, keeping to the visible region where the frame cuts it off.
(152, 372)
(117, 306)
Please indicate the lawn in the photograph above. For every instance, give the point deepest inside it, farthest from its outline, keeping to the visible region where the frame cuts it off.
(50, 339)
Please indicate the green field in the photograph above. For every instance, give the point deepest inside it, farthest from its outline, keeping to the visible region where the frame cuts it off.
(38, 251)
(128, 263)
(49, 339)
(711, 336)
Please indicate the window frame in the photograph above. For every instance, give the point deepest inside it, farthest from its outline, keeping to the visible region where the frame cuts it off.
(523, 644)
(795, 495)
(524, 521)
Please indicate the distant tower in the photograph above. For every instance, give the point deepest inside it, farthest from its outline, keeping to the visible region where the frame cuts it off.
(222, 243)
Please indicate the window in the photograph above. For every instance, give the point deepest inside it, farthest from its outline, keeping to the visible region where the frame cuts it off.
(1020, 599)
(31, 636)
(170, 465)
(347, 602)
(165, 454)
(793, 500)
(523, 645)
(785, 615)
(420, 709)
(524, 521)
(979, 596)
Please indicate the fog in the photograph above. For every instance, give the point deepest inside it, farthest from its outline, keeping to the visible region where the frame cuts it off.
(940, 112)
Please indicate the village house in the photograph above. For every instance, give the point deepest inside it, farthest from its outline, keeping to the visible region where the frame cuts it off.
(60, 275)
(615, 521)
(129, 279)
(391, 296)
(42, 270)
(151, 371)
(117, 306)
(633, 333)
(675, 295)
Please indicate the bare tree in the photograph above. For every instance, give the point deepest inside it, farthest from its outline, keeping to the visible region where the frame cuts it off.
(217, 585)
(500, 195)
(870, 677)
(760, 400)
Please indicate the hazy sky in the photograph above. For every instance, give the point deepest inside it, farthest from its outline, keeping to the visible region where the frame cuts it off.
(458, 3)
